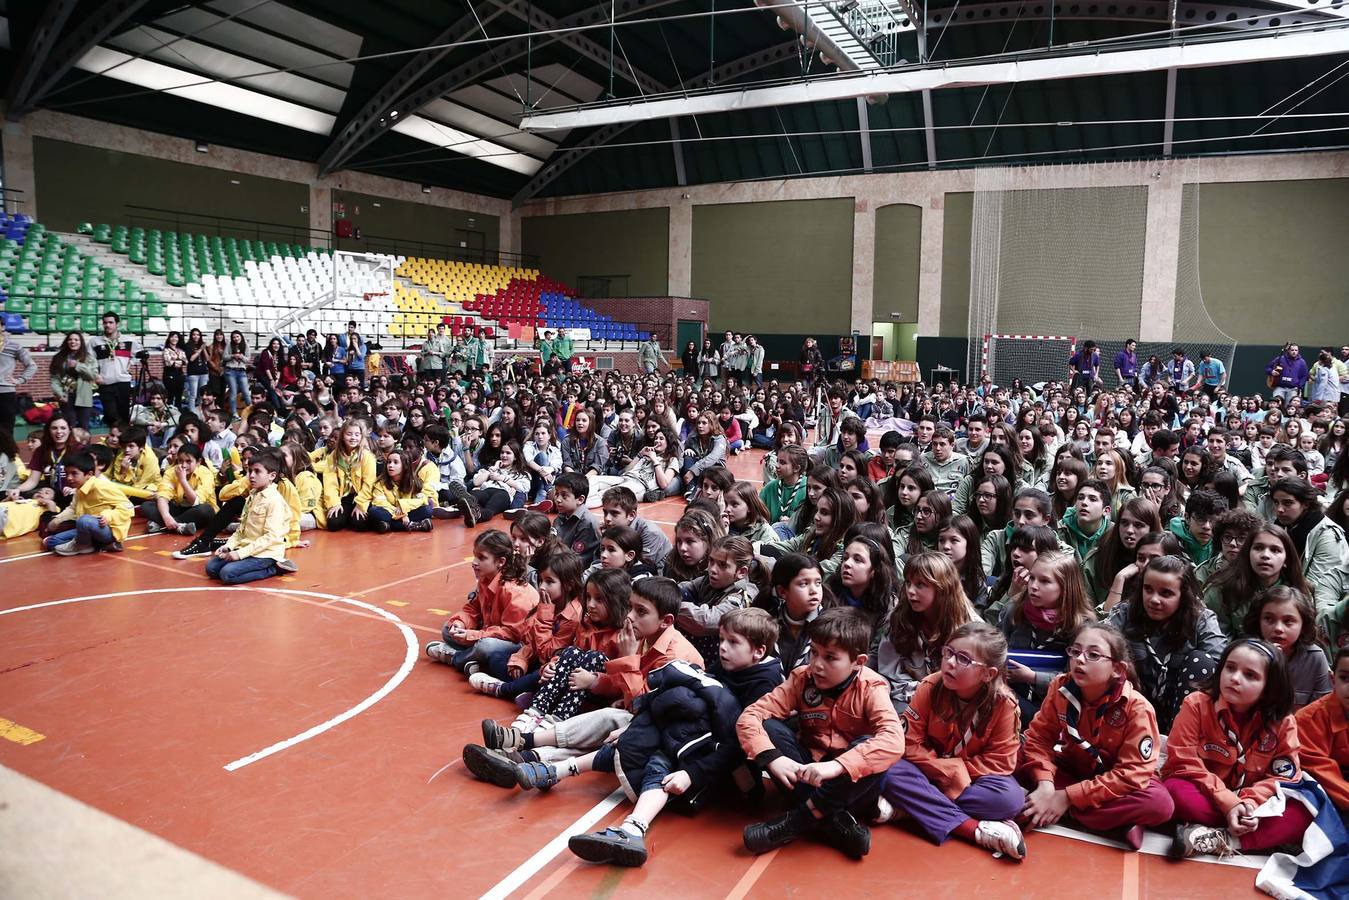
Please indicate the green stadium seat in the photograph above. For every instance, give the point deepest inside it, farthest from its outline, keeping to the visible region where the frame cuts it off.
(66, 307)
(67, 323)
(88, 324)
(136, 324)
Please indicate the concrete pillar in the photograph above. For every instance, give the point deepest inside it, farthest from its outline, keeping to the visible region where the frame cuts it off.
(929, 265)
(321, 213)
(1161, 254)
(863, 265)
(679, 282)
(19, 174)
(509, 236)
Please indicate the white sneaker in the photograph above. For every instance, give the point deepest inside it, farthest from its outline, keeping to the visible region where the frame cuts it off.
(440, 651)
(1197, 840)
(70, 548)
(884, 812)
(1001, 837)
(484, 683)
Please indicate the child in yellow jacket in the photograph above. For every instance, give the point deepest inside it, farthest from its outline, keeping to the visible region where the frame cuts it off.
(100, 511)
(401, 501)
(133, 469)
(257, 549)
(348, 478)
(185, 497)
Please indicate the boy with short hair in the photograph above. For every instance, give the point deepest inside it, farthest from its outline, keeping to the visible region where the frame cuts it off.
(946, 466)
(849, 736)
(646, 641)
(852, 435)
(440, 451)
(100, 511)
(221, 441)
(1282, 461)
(256, 550)
(1195, 528)
(575, 526)
(1087, 521)
(784, 495)
(135, 471)
(618, 506)
(884, 464)
(677, 749)
(185, 497)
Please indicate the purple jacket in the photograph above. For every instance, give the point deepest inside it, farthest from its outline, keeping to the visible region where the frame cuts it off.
(1127, 363)
(1294, 374)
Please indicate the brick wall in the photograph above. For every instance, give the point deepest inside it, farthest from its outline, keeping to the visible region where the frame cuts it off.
(40, 388)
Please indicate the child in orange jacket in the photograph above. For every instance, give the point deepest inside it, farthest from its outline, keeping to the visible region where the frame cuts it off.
(847, 736)
(1323, 732)
(646, 641)
(494, 619)
(960, 748)
(1091, 750)
(1229, 748)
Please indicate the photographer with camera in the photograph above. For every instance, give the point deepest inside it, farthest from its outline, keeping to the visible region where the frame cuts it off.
(114, 354)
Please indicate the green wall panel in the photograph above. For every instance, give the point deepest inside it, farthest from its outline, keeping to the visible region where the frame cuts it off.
(782, 266)
(1272, 255)
(77, 183)
(895, 283)
(633, 243)
(416, 229)
(955, 265)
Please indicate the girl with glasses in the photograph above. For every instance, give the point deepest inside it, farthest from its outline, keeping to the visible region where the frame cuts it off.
(961, 747)
(1091, 750)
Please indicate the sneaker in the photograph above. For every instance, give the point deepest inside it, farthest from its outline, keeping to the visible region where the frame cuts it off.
(491, 766)
(612, 845)
(471, 668)
(484, 683)
(187, 528)
(764, 836)
(1133, 838)
(154, 528)
(469, 509)
(380, 527)
(501, 737)
(423, 525)
(536, 776)
(885, 811)
(843, 832)
(1002, 838)
(287, 565)
(440, 651)
(511, 515)
(231, 528)
(70, 548)
(1196, 840)
(198, 549)
(114, 547)
(445, 512)
(543, 506)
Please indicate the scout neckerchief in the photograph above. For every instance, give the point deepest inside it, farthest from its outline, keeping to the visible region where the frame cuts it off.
(1226, 722)
(1073, 694)
(959, 748)
(786, 494)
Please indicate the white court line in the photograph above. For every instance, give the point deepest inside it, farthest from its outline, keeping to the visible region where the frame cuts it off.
(1153, 844)
(530, 867)
(409, 659)
(10, 559)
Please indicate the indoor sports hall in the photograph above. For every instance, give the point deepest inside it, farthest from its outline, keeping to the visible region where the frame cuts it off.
(302, 300)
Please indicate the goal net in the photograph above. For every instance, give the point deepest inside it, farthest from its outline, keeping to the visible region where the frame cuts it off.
(1048, 265)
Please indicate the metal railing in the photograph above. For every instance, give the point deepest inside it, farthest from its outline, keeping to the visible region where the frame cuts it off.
(151, 217)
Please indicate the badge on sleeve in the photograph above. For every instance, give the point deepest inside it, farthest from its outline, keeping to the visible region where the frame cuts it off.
(1283, 767)
(1145, 747)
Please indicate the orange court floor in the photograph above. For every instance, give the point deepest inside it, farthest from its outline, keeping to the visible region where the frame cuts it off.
(292, 731)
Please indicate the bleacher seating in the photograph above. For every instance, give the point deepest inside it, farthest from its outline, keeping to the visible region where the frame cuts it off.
(48, 285)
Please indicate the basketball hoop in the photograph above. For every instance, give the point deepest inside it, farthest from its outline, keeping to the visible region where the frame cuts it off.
(366, 297)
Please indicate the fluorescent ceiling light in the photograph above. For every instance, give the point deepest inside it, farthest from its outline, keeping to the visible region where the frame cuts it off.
(143, 73)
(467, 144)
(1096, 62)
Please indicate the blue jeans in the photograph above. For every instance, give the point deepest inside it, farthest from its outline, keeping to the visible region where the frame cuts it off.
(492, 654)
(538, 488)
(88, 533)
(379, 514)
(236, 389)
(242, 571)
(194, 385)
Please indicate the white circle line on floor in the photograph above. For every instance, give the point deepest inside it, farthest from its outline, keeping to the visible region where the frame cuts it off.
(398, 677)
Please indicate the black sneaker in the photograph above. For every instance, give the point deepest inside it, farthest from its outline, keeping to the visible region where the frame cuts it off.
(501, 737)
(114, 547)
(491, 766)
(612, 845)
(764, 836)
(381, 527)
(470, 510)
(199, 548)
(843, 832)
